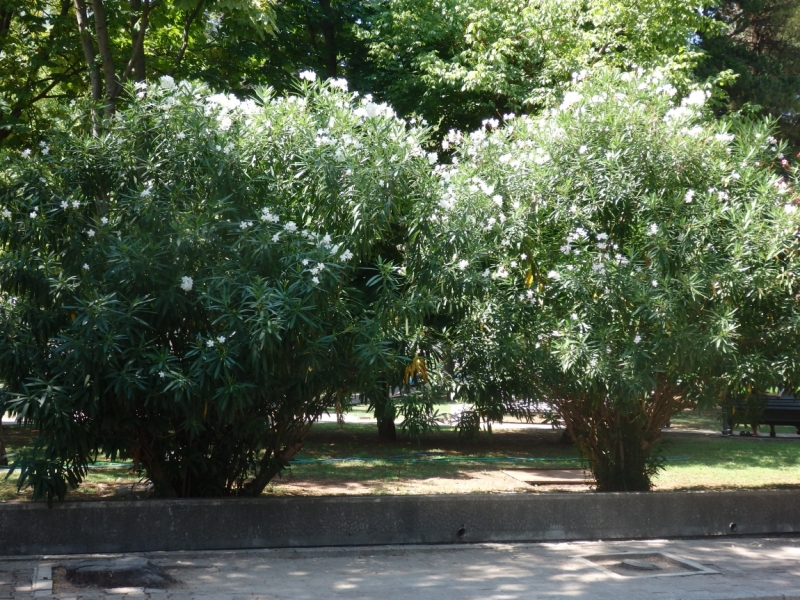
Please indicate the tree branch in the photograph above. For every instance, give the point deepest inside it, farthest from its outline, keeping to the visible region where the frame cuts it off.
(138, 48)
(189, 20)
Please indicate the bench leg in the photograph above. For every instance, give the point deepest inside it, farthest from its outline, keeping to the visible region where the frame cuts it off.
(726, 430)
(772, 431)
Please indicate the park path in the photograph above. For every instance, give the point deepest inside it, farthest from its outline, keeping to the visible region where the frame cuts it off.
(746, 567)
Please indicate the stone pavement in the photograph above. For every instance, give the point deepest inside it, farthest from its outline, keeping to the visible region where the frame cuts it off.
(745, 567)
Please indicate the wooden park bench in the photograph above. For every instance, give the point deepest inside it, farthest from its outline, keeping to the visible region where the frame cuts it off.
(770, 409)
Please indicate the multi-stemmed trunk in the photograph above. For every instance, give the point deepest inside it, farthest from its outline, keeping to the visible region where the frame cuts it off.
(620, 439)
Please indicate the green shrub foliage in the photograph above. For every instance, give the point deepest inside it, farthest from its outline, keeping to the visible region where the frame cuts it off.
(617, 258)
(193, 288)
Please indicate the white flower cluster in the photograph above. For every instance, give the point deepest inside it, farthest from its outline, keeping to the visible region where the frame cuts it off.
(370, 110)
(570, 99)
(309, 76)
(268, 217)
(187, 283)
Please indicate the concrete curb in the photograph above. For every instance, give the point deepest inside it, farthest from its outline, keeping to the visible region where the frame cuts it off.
(210, 524)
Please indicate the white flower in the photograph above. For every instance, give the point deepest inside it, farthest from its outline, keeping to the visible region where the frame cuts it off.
(210, 343)
(85, 266)
(290, 226)
(498, 199)
(104, 220)
(637, 339)
(187, 283)
(45, 150)
(433, 158)
(221, 339)
(76, 204)
(315, 279)
(26, 153)
(789, 208)
(338, 83)
(523, 256)
(180, 135)
(145, 193)
(654, 283)
(91, 233)
(64, 204)
(696, 98)
(570, 98)
(725, 138)
(245, 224)
(514, 264)
(308, 75)
(225, 123)
(583, 150)
(678, 113)
(276, 237)
(33, 214)
(6, 213)
(346, 255)
(167, 82)
(689, 196)
(653, 230)
(162, 374)
(305, 262)
(463, 264)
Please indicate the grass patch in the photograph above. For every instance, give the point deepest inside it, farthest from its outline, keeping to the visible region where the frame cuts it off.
(734, 462)
(442, 463)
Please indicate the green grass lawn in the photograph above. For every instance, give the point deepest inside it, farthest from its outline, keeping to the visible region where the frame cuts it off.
(693, 461)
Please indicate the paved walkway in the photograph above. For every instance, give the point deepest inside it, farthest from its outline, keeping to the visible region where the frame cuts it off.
(764, 568)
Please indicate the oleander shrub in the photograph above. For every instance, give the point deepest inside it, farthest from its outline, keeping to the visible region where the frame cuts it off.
(620, 256)
(194, 287)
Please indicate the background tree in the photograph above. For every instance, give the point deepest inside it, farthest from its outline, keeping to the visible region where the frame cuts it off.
(63, 49)
(460, 62)
(760, 44)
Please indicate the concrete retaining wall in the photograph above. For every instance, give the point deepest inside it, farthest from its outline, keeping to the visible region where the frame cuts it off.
(150, 525)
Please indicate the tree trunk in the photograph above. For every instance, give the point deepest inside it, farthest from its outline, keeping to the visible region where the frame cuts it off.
(5, 24)
(137, 58)
(269, 468)
(106, 57)
(385, 414)
(619, 439)
(329, 34)
(88, 49)
(3, 458)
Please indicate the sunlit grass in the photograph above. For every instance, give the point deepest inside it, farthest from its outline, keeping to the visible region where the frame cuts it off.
(698, 461)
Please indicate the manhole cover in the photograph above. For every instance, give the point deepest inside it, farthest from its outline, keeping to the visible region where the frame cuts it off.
(644, 564)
